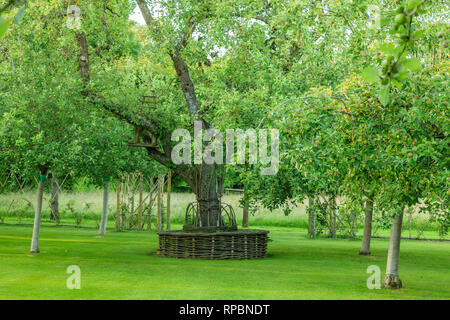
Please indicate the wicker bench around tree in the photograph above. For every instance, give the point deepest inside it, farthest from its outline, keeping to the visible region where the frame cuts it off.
(219, 242)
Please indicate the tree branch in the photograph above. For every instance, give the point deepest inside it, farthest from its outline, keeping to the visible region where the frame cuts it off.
(105, 29)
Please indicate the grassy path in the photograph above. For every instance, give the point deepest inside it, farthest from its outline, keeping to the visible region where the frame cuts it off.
(122, 265)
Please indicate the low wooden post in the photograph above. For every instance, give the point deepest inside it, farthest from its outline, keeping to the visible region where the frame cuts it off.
(169, 185)
(140, 201)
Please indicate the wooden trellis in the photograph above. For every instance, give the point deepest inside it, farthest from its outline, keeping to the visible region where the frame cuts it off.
(140, 202)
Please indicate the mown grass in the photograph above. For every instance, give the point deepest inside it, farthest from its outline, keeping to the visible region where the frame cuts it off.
(122, 265)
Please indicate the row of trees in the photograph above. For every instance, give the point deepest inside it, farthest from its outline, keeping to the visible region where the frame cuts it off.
(299, 66)
(378, 140)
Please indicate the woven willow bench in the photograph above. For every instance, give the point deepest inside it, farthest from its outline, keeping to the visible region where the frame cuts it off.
(239, 244)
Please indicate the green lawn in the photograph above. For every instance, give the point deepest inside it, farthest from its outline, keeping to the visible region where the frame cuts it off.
(122, 265)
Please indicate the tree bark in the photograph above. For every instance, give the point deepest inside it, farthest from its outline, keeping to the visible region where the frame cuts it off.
(391, 279)
(169, 187)
(83, 57)
(54, 204)
(159, 202)
(409, 223)
(245, 209)
(333, 217)
(104, 219)
(207, 195)
(37, 215)
(365, 247)
(246, 203)
(312, 219)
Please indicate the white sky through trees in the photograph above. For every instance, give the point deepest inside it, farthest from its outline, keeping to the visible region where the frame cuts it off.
(137, 16)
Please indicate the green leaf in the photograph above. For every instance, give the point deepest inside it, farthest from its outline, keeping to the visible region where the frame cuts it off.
(384, 95)
(397, 84)
(19, 15)
(370, 74)
(387, 48)
(4, 24)
(412, 4)
(398, 50)
(412, 64)
(418, 34)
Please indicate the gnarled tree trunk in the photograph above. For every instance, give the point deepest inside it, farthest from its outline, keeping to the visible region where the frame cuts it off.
(391, 279)
(206, 184)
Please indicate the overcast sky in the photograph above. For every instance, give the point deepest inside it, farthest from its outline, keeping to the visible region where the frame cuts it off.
(137, 16)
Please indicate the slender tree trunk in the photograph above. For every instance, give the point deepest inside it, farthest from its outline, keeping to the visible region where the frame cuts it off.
(246, 203)
(245, 209)
(37, 215)
(159, 202)
(333, 217)
(104, 219)
(141, 204)
(312, 219)
(334, 234)
(365, 247)
(54, 204)
(169, 187)
(391, 279)
(409, 222)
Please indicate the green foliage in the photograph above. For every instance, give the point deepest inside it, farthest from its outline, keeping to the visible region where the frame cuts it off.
(4, 25)
(291, 65)
(388, 140)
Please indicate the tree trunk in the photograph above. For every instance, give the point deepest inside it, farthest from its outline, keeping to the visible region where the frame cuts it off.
(54, 205)
(37, 215)
(312, 219)
(104, 219)
(159, 222)
(246, 203)
(207, 195)
(365, 247)
(333, 217)
(391, 279)
(141, 204)
(409, 222)
(169, 187)
(245, 209)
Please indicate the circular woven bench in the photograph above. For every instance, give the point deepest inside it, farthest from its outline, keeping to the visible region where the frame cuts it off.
(239, 244)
